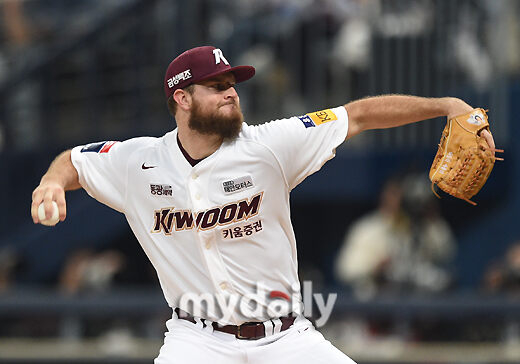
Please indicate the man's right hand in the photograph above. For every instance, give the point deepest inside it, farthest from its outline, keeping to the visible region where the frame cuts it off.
(47, 192)
(61, 176)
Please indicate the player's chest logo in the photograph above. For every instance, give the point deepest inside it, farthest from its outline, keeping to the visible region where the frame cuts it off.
(237, 185)
(169, 219)
(160, 190)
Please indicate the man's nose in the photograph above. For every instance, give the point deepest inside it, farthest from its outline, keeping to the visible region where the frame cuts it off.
(231, 93)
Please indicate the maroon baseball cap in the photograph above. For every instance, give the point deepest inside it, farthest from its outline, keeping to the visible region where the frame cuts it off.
(198, 64)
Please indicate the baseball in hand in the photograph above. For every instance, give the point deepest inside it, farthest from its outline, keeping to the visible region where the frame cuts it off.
(55, 218)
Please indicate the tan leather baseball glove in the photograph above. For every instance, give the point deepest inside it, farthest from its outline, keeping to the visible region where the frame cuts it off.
(464, 159)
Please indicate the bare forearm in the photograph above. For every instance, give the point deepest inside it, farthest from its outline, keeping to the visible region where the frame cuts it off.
(63, 172)
(61, 176)
(395, 110)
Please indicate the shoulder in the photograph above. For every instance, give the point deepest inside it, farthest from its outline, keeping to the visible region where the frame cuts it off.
(108, 145)
(259, 131)
(130, 147)
(143, 142)
(119, 150)
(265, 135)
(305, 122)
(299, 127)
(146, 145)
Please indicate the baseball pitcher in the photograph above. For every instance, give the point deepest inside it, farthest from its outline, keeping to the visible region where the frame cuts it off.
(209, 204)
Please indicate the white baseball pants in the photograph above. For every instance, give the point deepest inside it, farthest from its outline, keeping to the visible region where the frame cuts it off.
(188, 343)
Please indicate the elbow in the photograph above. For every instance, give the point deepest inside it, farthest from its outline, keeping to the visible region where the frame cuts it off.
(356, 122)
(72, 176)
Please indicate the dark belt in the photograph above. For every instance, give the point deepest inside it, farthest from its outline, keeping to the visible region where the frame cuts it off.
(246, 331)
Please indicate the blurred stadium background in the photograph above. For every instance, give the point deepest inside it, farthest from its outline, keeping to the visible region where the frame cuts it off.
(73, 72)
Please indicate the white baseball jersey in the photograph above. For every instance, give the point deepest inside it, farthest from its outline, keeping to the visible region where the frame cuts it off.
(223, 226)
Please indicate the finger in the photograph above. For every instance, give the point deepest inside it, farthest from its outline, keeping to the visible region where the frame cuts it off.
(62, 204)
(37, 198)
(47, 203)
(489, 138)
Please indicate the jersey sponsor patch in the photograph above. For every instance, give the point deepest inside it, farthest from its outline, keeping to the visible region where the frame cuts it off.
(242, 230)
(161, 190)
(183, 76)
(237, 185)
(317, 118)
(101, 147)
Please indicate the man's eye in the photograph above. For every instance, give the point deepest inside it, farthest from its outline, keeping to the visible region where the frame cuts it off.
(222, 86)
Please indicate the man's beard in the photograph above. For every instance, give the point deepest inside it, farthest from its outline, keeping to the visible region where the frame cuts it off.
(214, 123)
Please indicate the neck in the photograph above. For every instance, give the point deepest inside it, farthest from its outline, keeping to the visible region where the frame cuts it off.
(198, 145)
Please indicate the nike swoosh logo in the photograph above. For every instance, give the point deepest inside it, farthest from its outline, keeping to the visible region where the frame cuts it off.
(147, 167)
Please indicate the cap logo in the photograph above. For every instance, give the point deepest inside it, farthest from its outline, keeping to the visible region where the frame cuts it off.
(219, 56)
(178, 77)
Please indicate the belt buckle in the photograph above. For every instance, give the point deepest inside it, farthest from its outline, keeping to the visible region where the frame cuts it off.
(239, 333)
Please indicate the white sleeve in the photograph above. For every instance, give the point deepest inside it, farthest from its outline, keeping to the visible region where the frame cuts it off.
(302, 144)
(102, 170)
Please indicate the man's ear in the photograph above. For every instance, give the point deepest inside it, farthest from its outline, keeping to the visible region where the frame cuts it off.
(183, 99)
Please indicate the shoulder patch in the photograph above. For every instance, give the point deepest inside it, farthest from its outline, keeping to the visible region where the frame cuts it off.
(317, 118)
(101, 147)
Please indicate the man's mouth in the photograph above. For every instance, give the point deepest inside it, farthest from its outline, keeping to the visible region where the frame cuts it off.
(229, 103)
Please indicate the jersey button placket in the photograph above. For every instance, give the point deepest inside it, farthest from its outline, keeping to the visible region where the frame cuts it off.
(194, 188)
(217, 269)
